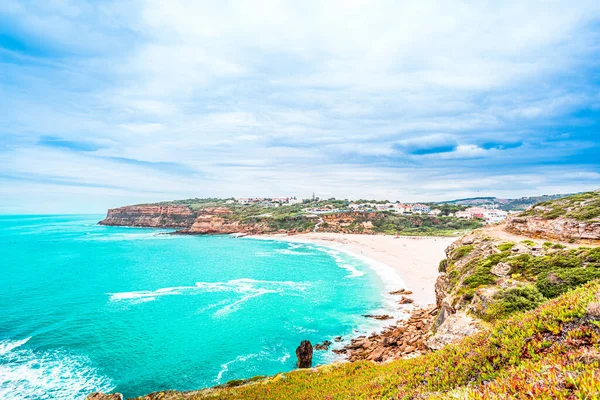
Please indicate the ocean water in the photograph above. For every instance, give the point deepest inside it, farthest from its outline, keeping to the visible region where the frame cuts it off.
(85, 307)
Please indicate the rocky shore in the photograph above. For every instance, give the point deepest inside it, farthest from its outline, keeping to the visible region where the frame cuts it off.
(407, 338)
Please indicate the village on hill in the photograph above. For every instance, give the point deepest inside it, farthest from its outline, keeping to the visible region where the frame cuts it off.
(490, 213)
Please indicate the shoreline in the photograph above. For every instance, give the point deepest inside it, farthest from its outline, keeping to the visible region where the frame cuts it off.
(409, 261)
(402, 264)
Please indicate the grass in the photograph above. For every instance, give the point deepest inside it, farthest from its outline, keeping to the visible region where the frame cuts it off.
(548, 353)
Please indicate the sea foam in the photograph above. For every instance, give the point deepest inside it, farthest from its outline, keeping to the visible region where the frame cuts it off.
(247, 287)
(27, 374)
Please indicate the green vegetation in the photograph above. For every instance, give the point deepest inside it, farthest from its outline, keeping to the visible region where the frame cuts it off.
(533, 278)
(462, 251)
(423, 225)
(506, 246)
(548, 353)
(511, 300)
(581, 207)
(443, 265)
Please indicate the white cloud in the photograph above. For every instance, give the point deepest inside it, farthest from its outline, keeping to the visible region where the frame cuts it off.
(276, 97)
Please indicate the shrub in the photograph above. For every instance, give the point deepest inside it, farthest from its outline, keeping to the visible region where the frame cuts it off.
(556, 282)
(462, 251)
(511, 300)
(481, 276)
(506, 246)
(443, 265)
(593, 255)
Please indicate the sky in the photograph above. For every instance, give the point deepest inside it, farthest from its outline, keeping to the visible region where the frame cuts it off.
(105, 103)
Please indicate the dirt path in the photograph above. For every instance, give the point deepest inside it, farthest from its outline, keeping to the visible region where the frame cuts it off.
(498, 231)
(318, 224)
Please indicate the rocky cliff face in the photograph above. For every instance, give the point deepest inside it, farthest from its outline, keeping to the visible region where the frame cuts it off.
(554, 229)
(206, 221)
(151, 216)
(215, 222)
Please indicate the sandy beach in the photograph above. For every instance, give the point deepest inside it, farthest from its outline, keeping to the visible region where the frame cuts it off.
(415, 259)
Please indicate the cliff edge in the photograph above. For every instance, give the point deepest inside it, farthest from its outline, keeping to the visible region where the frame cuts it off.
(574, 218)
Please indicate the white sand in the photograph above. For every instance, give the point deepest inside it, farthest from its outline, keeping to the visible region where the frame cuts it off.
(415, 259)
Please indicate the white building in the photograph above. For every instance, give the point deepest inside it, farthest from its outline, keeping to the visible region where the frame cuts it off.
(435, 212)
(494, 216)
(420, 209)
(403, 208)
(384, 207)
(463, 214)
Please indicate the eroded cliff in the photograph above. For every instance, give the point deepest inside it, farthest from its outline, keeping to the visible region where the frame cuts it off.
(574, 218)
(211, 220)
(151, 216)
(554, 229)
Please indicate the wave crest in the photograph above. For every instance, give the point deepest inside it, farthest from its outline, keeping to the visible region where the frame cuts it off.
(247, 287)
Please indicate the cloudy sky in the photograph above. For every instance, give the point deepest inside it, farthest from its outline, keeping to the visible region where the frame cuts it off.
(105, 103)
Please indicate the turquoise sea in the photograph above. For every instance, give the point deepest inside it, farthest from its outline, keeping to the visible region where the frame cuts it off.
(85, 307)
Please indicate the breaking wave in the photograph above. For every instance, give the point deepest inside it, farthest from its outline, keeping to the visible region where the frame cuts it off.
(248, 288)
(26, 374)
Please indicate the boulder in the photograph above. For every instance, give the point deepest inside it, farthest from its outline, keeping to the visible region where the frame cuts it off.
(405, 300)
(501, 269)
(304, 352)
(323, 346)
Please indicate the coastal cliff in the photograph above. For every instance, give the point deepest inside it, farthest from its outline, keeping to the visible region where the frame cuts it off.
(203, 221)
(150, 216)
(575, 219)
(554, 229)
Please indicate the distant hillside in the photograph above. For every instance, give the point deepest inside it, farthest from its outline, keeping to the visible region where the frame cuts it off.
(581, 207)
(506, 204)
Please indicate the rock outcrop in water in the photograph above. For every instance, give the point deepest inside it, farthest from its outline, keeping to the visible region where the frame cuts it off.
(304, 352)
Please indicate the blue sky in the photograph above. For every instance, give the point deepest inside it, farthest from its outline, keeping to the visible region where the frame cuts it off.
(105, 103)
